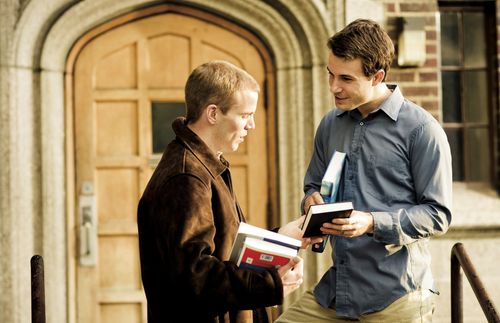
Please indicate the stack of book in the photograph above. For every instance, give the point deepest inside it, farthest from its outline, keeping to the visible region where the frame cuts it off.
(256, 248)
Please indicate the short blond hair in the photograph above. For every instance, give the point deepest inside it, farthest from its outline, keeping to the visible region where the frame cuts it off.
(215, 82)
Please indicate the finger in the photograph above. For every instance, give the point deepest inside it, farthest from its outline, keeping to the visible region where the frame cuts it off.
(296, 283)
(291, 264)
(337, 231)
(317, 198)
(299, 266)
(305, 243)
(333, 231)
(312, 240)
(317, 239)
(341, 221)
(314, 198)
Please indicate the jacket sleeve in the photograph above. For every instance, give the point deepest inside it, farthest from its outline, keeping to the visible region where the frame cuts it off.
(185, 230)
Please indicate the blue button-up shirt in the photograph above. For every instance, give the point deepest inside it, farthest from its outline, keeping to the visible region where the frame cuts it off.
(398, 167)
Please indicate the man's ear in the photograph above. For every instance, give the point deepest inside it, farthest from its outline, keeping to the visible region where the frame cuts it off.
(378, 77)
(211, 113)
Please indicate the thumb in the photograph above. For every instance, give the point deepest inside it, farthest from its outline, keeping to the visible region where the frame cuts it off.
(318, 199)
(292, 263)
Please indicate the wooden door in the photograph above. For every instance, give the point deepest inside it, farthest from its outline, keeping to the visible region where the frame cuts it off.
(119, 77)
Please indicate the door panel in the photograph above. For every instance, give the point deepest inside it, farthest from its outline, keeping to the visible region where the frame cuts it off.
(117, 77)
(162, 73)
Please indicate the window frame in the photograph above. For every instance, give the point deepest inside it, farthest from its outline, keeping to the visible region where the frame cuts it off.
(488, 8)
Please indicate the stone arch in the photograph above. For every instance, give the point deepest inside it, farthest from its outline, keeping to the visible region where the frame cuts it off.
(295, 34)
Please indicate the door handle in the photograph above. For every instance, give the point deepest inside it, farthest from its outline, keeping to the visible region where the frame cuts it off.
(88, 227)
(86, 248)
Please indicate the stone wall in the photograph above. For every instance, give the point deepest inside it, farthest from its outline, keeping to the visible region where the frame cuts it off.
(32, 133)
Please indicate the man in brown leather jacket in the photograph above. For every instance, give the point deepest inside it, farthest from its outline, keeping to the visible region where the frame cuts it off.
(188, 215)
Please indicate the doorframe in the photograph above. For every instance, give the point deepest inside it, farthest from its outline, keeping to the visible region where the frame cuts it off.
(267, 94)
(37, 159)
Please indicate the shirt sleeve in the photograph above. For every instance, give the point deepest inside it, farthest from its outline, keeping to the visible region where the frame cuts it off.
(318, 163)
(432, 174)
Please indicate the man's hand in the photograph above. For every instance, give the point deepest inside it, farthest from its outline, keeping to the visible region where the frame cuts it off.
(314, 198)
(291, 275)
(292, 229)
(357, 224)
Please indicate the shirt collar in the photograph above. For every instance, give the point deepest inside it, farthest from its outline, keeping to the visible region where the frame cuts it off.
(390, 106)
(393, 103)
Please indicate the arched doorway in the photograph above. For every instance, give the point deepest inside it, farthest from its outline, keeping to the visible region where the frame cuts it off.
(128, 80)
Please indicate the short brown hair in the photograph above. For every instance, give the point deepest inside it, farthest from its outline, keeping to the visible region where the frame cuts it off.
(215, 82)
(364, 39)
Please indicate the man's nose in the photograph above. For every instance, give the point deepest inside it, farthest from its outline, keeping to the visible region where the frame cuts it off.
(334, 87)
(251, 123)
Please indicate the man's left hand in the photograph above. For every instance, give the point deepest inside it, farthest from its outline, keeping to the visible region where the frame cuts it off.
(357, 224)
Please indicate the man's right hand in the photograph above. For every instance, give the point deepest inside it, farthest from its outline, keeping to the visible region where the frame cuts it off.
(314, 198)
(292, 275)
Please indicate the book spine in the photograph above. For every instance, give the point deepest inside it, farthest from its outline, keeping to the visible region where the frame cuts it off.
(281, 243)
(320, 247)
(326, 189)
(252, 267)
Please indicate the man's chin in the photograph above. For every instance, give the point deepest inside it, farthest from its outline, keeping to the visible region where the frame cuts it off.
(343, 107)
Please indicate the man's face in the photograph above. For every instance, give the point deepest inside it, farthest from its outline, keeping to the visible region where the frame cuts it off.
(233, 126)
(348, 84)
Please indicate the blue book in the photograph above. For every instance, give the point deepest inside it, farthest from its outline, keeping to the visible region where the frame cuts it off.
(331, 179)
(330, 187)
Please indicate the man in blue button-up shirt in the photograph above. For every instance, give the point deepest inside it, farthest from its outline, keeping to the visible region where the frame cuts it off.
(398, 176)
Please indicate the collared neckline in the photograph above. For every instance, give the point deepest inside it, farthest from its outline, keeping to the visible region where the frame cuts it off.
(391, 106)
(216, 166)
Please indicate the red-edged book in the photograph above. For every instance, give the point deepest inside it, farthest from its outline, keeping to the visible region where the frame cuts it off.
(274, 240)
(257, 254)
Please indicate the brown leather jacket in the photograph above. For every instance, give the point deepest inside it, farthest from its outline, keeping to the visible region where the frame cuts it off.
(187, 218)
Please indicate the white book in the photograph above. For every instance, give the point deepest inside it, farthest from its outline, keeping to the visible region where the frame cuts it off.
(331, 179)
(247, 230)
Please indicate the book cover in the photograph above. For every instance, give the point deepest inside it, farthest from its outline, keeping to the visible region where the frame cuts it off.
(331, 178)
(258, 254)
(321, 213)
(330, 187)
(246, 230)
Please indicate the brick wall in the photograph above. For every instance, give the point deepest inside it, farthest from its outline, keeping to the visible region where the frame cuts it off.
(418, 84)
(422, 86)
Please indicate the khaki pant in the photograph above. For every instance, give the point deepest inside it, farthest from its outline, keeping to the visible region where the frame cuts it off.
(415, 307)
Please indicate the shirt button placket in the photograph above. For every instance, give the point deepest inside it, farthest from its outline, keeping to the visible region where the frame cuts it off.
(353, 164)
